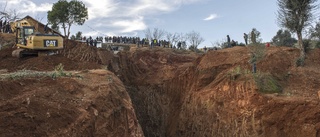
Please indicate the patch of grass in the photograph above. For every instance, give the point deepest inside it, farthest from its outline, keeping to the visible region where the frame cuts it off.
(24, 73)
(58, 72)
(266, 83)
(236, 72)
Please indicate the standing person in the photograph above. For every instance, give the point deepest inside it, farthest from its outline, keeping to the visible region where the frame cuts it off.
(87, 41)
(245, 36)
(0, 25)
(8, 29)
(228, 41)
(233, 43)
(205, 49)
(253, 37)
(179, 45)
(95, 42)
(91, 41)
(4, 26)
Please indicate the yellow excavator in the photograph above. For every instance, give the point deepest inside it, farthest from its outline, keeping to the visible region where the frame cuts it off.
(30, 41)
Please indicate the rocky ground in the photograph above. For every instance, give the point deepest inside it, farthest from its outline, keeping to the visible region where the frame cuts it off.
(159, 92)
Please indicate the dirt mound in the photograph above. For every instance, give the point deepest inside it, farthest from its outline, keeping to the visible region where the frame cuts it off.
(6, 40)
(95, 103)
(42, 63)
(82, 52)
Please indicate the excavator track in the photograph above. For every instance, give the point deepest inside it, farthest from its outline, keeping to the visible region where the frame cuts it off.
(20, 53)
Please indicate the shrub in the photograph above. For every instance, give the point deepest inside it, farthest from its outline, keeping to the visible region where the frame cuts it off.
(236, 72)
(266, 83)
(317, 44)
(300, 62)
(257, 53)
(307, 45)
(59, 72)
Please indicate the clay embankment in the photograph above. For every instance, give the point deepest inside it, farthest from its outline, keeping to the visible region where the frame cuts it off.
(178, 94)
(86, 102)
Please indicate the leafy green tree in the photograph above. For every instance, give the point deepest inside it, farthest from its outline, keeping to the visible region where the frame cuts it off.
(68, 13)
(78, 35)
(73, 37)
(295, 15)
(315, 31)
(283, 38)
(55, 27)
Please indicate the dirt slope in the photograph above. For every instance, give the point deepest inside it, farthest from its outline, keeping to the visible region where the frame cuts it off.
(193, 95)
(96, 104)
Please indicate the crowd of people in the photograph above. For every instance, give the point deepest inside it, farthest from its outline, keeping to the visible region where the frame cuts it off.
(129, 40)
(5, 26)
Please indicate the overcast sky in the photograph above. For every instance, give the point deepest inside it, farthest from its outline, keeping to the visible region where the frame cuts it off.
(213, 19)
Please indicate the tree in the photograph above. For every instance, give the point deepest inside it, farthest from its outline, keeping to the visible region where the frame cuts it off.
(11, 15)
(73, 37)
(315, 32)
(194, 39)
(283, 38)
(295, 15)
(156, 33)
(79, 35)
(55, 27)
(68, 13)
(254, 36)
(173, 38)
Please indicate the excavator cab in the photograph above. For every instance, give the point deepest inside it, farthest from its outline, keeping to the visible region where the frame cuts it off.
(23, 33)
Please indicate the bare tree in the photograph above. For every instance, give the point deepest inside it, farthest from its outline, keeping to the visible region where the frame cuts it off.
(173, 38)
(156, 33)
(195, 39)
(295, 15)
(169, 37)
(11, 15)
(3, 13)
(14, 15)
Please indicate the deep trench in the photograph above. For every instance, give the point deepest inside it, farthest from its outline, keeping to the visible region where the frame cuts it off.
(156, 105)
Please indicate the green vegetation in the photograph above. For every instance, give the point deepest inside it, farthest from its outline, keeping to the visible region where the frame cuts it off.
(23, 74)
(237, 72)
(300, 61)
(254, 36)
(67, 13)
(266, 83)
(315, 31)
(296, 15)
(283, 38)
(257, 52)
(58, 72)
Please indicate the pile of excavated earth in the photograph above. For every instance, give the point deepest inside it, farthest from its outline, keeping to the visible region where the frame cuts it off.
(88, 91)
